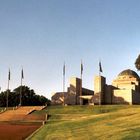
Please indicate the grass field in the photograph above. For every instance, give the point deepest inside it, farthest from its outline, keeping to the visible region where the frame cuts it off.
(116, 122)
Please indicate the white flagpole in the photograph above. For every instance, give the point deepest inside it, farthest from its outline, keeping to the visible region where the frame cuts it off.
(100, 90)
(64, 84)
(20, 103)
(81, 82)
(8, 89)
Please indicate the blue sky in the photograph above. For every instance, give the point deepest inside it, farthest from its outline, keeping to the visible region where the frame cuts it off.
(39, 35)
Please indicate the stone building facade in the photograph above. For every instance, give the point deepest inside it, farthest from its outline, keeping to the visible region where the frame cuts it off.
(125, 89)
(74, 94)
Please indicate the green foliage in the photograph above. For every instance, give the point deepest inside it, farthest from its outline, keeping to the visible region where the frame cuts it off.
(29, 97)
(137, 63)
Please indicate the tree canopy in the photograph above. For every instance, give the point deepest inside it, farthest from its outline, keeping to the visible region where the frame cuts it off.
(29, 97)
(137, 63)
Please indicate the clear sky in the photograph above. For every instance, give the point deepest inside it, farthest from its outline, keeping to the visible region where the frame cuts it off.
(41, 34)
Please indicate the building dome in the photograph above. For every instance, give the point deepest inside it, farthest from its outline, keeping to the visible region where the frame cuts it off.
(130, 73)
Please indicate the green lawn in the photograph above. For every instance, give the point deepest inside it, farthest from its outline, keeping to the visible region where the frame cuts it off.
(116, 122)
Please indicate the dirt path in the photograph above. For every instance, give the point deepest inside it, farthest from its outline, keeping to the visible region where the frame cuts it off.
(16, 132)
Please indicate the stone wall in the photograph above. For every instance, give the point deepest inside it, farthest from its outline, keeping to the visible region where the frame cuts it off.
(123, 96)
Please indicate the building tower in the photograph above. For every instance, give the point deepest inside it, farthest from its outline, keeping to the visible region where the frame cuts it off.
(75, 87)
(99, 89)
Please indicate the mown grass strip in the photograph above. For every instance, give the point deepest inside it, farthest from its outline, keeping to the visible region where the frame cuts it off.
(91, 122)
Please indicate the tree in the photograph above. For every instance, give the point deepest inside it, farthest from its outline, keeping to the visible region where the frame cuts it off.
(137, 63)
(29, 98)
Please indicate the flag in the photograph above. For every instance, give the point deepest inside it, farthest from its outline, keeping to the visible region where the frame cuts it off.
(22, 75)
(9, 75)
(64, 69)
(100, 67)
(81, 68)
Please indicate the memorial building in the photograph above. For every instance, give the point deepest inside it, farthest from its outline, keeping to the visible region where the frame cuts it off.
(125, 89)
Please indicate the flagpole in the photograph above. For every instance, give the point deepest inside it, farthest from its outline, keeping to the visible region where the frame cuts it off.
(20, 92)
(81, 91)
(7, 95)
(81, 82)
(8, 89)
(22, 76)
(100, 90)
(64, 83)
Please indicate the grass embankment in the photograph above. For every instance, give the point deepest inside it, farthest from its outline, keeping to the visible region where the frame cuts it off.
(91, 122)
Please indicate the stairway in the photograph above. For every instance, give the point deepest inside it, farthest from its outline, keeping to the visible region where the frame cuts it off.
(19, 113)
